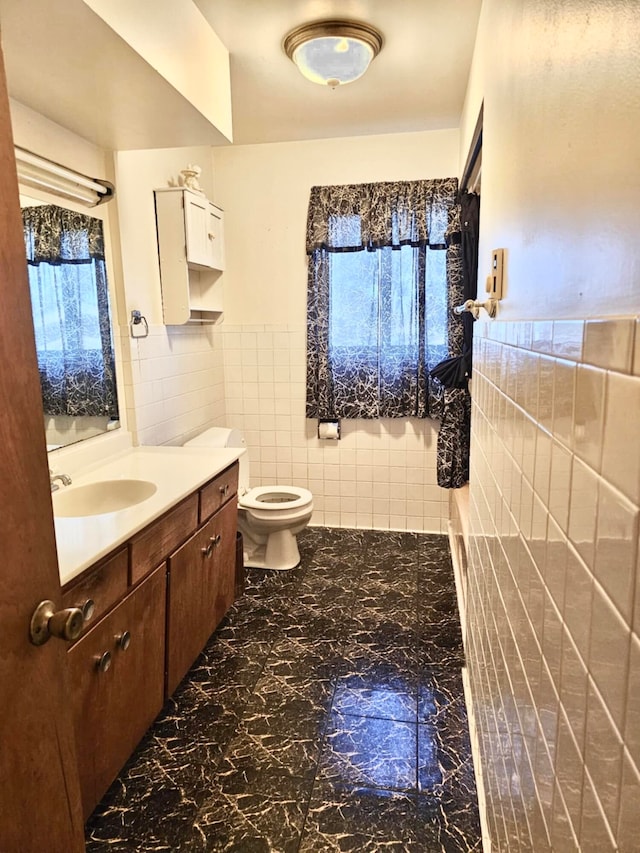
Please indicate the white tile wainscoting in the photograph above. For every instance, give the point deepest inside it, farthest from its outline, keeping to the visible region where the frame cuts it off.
(380, 474)
(553, 606)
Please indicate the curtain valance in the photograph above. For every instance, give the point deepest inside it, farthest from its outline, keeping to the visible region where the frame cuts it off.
(353, 217)
(54, 235)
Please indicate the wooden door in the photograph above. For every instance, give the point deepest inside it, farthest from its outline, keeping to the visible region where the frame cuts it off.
(40, 800)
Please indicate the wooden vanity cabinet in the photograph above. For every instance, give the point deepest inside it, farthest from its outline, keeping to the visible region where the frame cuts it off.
(117, 681)
(157, 599)
(200, 590)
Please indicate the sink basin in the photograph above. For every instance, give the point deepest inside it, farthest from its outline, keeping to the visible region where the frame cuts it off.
(100, 497)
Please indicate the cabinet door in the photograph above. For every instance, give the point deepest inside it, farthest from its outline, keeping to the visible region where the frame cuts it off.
(215, 235)
(201, 590)
(115, 705)
(196, 223)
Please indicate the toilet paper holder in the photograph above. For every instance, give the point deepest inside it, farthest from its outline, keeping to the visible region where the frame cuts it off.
(329, 428)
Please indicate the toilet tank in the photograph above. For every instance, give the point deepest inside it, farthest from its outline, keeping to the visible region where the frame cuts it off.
(225, 437)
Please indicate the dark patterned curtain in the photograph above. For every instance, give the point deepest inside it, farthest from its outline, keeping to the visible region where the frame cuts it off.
(384, 269)
(70, 304)
(454, 436)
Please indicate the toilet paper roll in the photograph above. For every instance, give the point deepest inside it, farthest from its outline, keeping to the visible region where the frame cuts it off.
(329, 429)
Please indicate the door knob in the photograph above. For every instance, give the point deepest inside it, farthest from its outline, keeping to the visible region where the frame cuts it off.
(46, 622)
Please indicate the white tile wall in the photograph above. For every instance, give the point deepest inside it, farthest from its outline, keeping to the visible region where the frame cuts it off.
(174, 383)
(553, 613)
(380, 474)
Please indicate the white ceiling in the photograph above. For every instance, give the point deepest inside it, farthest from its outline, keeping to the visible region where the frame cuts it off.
(417, 82)
(66, 64)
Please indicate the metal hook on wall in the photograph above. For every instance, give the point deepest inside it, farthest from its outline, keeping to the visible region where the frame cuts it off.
(473, 307)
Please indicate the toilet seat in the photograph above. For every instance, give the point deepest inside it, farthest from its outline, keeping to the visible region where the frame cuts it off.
(271, 498)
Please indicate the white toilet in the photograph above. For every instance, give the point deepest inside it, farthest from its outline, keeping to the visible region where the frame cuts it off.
(269, 517)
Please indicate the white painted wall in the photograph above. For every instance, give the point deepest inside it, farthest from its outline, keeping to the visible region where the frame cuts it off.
(175, 39)
(264, 190)
(560, 168)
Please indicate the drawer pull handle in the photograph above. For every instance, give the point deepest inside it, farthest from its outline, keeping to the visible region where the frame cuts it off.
(103, 662)
(214, 541)
(123, 641)
(224, 490)
(211, 236)
(88, 609)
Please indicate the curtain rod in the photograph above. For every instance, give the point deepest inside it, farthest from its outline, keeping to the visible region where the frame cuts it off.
(35, 171)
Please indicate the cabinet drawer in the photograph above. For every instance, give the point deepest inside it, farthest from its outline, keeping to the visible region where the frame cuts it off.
(104, 585)
(156, 542)
(218, 492)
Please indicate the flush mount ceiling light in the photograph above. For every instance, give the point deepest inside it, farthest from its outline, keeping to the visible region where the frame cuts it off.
(333, 53)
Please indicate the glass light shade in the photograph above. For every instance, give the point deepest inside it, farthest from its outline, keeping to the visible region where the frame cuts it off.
(333, 52)
(333, 60)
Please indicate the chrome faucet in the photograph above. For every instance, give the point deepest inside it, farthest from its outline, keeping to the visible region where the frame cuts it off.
(65, 479)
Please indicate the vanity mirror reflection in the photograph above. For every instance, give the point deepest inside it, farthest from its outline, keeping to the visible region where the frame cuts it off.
(65, 253)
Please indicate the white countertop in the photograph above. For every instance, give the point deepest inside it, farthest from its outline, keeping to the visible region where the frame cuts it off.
(176, 471)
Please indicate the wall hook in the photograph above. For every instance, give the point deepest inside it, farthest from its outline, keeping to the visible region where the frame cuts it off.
(473, 307)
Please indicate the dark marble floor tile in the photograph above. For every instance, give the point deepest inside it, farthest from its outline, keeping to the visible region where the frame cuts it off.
(432, 652)
(439, 689)
(327, 544)
(145, 820)
(360, 820)
(331, 598)
(251, 619)
(264, 817)
(375, 702)
(381, 599)
(253, 754)
(336, 569)
(309, 624)
(444, 762)
(449, 824)
(369, 751)
(391, 564)
(280, 707)
(391, 542)
(382, 632)
(294, 661)
(378, 666)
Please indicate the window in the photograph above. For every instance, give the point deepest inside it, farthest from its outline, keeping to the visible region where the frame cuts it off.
(378, 297)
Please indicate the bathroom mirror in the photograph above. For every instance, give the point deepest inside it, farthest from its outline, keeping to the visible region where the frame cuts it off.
(72, 320)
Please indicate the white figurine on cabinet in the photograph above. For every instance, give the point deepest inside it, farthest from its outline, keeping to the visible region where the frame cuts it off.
(190, 177)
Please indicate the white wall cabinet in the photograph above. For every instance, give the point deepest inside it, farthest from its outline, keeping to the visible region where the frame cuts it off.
(191, 253)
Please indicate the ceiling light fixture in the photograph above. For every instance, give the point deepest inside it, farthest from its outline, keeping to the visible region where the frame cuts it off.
(332, 53)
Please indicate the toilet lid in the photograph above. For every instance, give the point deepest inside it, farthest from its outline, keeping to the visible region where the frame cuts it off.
(275, 497)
